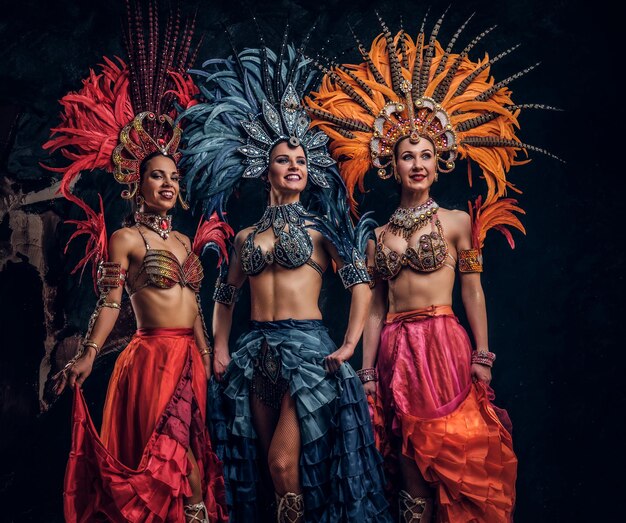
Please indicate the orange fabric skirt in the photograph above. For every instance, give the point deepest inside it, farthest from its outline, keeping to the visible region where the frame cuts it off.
(154, 415)
(428, 409)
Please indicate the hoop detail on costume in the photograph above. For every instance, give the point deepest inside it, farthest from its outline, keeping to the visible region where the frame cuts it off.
(470, 260)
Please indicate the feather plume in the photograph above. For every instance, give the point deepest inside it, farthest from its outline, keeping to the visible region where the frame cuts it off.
(213, 234)
(494, 214)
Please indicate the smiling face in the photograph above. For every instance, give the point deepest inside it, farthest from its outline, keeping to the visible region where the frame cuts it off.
(159, 184)
(416, 164)
(287, 172)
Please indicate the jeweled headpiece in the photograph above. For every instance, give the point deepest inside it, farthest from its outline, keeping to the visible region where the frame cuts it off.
(407, 89)
(254, 98)
(136, 144)
(125, 111)
(289, 123)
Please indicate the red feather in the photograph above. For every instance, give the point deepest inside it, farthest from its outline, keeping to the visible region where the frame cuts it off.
(185, 89)
(213, 231)
(91, 121)
(94, 227)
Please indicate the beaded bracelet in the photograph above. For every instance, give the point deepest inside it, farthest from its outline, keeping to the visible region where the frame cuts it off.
(483, 357)
(365, 375)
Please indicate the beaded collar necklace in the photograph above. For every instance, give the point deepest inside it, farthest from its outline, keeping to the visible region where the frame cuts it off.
(279, 216)
(162, 225)
(406, 220)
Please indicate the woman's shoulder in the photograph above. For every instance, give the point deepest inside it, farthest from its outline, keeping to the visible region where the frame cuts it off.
(456, 216)
(125, 234)
(241, 236)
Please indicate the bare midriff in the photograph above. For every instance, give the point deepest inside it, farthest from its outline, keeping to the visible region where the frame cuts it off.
(279, 293)
(176, 307)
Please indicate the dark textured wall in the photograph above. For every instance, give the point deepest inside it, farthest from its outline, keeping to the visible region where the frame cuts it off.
(553, 302)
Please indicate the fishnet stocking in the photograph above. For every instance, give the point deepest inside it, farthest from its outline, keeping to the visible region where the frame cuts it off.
(279, 439)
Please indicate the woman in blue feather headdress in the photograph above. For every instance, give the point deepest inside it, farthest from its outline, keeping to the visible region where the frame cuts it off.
(296, 420)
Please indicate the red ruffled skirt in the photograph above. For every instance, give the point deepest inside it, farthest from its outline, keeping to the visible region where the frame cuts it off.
(154, 414)
(428, 406)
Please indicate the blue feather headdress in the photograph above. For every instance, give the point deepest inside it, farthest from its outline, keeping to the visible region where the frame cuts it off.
(252, 101)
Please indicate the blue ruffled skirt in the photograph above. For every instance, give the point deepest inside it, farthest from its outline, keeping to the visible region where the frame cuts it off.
(340, 468)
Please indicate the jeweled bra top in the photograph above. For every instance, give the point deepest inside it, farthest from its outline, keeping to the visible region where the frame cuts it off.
(163, 270)
(429, 255)
(293, 247)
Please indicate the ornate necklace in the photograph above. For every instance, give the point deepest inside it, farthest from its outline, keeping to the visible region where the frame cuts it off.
(406, 220)
(279, 216)
(162, 225)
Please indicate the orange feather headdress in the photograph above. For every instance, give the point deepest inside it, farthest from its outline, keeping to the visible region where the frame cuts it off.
(414, 89)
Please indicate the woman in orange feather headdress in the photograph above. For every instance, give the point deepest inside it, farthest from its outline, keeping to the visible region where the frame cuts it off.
(152, 460)
(410, 109)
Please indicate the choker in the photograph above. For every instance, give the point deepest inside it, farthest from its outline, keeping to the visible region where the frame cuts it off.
(162, 225)
(406, 220)
(279, 216)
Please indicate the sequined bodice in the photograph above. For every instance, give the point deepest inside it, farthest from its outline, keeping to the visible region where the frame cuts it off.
(429, 255)
(163, 270)
(293, 246)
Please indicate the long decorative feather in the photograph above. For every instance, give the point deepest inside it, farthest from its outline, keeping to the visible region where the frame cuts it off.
(213, 234)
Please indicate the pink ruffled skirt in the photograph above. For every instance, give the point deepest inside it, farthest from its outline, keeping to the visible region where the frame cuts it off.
(428, 408)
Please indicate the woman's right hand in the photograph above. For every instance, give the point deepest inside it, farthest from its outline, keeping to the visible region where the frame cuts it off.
(370, 388)
(75, 373)
(221, 360)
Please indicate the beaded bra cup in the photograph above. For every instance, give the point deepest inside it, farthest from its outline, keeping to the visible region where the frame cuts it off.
(164, 271)
(429, 255)
(293, 247)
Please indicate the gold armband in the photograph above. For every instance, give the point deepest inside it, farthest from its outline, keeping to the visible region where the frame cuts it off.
(470, 260)
(112, 305)
(110, 276)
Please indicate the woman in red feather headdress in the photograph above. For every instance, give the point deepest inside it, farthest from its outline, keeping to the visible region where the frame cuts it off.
(153, 459)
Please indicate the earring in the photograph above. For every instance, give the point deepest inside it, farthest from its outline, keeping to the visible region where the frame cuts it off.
(396, 176)
(436, 176)
(139, 200)
(183, 203)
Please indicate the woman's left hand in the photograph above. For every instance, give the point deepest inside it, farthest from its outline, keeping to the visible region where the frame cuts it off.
(208, 365)
(338, 358)
(481, 373)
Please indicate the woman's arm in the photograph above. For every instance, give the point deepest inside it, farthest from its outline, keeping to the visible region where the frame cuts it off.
(374, 322)
(359, 307)
(223, 311)
(111, 286)
(474, 302)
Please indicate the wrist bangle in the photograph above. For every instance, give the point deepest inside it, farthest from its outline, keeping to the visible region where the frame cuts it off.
(92, 344)
(483, 357)
(365, 375)
(206, 350)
